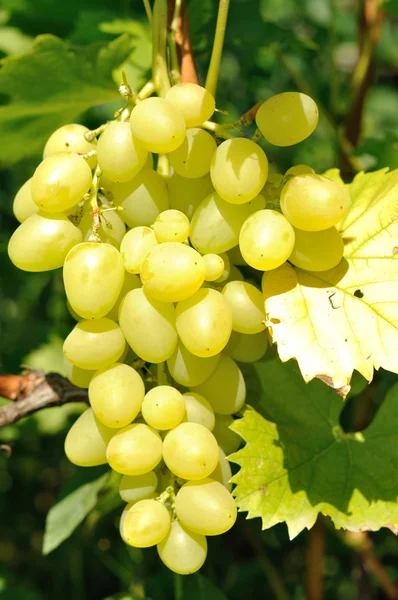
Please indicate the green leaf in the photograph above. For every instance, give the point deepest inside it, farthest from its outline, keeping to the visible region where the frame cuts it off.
(336, 321)
(51, 86)
(298, 462)
(69, 512)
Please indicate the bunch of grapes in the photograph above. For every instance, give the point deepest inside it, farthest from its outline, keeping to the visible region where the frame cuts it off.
(151, 271)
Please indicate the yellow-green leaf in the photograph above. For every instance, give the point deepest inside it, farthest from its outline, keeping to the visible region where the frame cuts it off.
(298, 462)
(346, 318)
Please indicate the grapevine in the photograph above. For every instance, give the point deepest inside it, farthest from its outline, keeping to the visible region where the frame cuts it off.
(171, 227)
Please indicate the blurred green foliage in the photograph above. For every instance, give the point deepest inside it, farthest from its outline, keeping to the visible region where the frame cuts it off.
(271, 46)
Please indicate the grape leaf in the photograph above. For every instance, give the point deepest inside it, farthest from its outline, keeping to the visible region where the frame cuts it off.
(346, 318)
(49, 86)
(79, 499)
(298, 462)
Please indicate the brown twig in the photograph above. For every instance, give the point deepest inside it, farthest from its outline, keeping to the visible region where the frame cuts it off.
(370, 25)
(33, 391)
(183, 40)
(362, 544)
(315, 561)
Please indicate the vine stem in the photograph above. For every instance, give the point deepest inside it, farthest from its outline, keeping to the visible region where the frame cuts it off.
(148, 11)
(214, 68)
(160, 72)
(315, 561)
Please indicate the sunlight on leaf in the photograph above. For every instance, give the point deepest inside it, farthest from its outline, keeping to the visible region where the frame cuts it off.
(347, 318)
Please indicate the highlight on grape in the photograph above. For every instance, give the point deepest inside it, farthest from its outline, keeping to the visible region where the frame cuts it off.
(157, 268)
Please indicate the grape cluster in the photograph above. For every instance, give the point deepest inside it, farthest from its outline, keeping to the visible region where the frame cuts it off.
(151, 272)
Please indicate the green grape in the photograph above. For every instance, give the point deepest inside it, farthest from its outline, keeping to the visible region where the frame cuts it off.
(171, 226)
(235, 257)
(198, 410)
(317, 250)
(146, 524)
(23, 206)
(314, 202)
(134, 449)
(247, 305)
(163, 407)
(193, 101)
(122, 518)
(234, 275)
(158, 125)
(227, 439)
(205, 507)
(190, 451)
(266, 240)
(299, 170)
(42, 242)
(60, 182)
(93, 278)
(246, 348)
(182, 550)
(76, 375)
(131, 282)
(172, 272)
(133, 488)
(239, 170)
(227, 268)
(186, 194)
(225, 389)
(87, 440)
(149, 326)
(149, 161)
(222, 472)
(120, 156)
(192, 159)
(142, 198)
(216, 224)
(204, 322)
(288, 118)
(112, 227)
(214, 266)
(94, 344)
(70, 138)
(116, 394)
(188, 369)
(135, 246)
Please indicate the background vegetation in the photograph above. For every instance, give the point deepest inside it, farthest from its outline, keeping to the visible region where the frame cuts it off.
(271, 46)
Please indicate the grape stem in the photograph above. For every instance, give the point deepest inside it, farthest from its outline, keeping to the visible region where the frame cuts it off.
(218, 129)
(160, 72)
(214, 68)
(96, 211)
(162, 378)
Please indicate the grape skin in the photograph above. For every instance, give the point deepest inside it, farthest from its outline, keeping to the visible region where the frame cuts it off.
(60, 182)
(206, 507)
(288, 118)
(190, 451)
(146, 524)
(42, 242)
(94, 344)
(87, 440)
(116, 394)
(93, 278)
(183, 551)
(134, 450)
